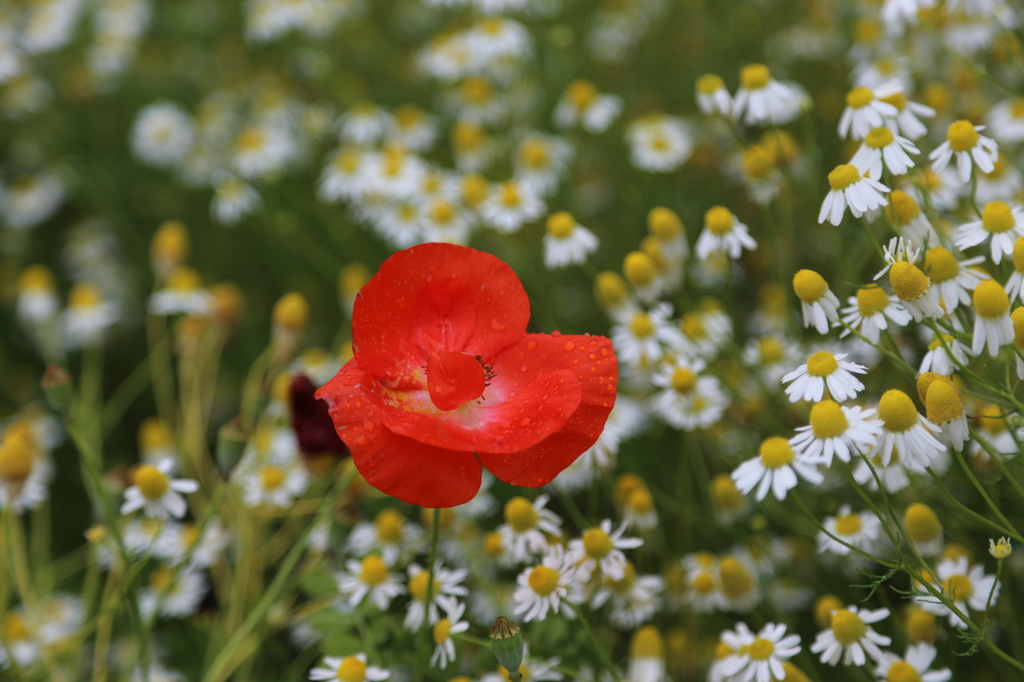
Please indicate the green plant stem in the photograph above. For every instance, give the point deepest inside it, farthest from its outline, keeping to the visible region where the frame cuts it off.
(600, 649)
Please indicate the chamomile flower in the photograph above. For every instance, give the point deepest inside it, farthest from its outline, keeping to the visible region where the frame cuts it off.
(896, 15)
(953, 278)
(689, 400)
(914, 224)
(634, 598)
(905, 430)
(233, 199)
(412, 128)
(964, 585)
(945, 354)
(183, 294)
(915, 665)
(1000, 223)
(37, 295)
(390, 533)
(945, 409)
(893, 476)
(525, 526)
(369, 577)
(712, 95)
(740, 586)
(964, 141)
(820, 306)
(638, 510)
(581, 104)
(646, 657)
(912, 287)
(162, 134)
(262, 150)
(836, 431)
(859, 530)
(723, 232)
(824, 369)
(566, 241)
(348, 669)
(510, 205)
(864, 112)
(344, 177)
(871, 311)
(762, 100)
(451, 624)
(275, 483)
(879, 145)
(156, 493)
(848, 187)
(759, 657)
(1006, 120)
(703, 582)
(850, 637)
(992, 325)
(540, 162)
(664, 224)
(600, 548)
(646, 337)
(775, 468)
(447, 585)
(547, 586)
(176, 596)
(659, 143)
(771, 356)
(364, 124)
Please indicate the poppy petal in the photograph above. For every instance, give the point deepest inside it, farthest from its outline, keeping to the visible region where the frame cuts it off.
(409, 470)
(436, 297)
(592, 360)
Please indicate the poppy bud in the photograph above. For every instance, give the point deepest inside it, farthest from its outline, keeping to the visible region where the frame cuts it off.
(507, 645)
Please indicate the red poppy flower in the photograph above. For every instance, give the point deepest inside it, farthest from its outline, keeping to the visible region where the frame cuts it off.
(446, 379)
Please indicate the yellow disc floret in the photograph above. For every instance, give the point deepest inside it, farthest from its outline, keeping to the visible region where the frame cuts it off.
(809, 286)
(724, 493)
(418, 586)
(373, 570)
(908, 282)
(761, 649)
(776, 452)
(897, 411)
(390, 525)
(736, 579)
(901, 671)
(1018, 327)
(271, 477)
(848, 627)
(828, 419)
(581, 93)
(639, 269)
(561, 225)
(442, 630)
(958, 587)
(848, 524)
(597, 543)
(942, 404)
(755, 76)
(921, 626)
(997, 217)
(520, 514)
(822, 364)
(872, 300)
(351, 669)
(291, 312)
(647, 643)
(962, 136)
(878, 138)
(859, 97)
(151, 482)
(904, 206)
(610, 289)
(824, 608)
(940, 264)
(921, 523)
(990, 300)
(718, 220)
(543, 580)
(842, 176)
(17, 453)
(665, 224)
(710, 83)
(684, 380)
(641, 325)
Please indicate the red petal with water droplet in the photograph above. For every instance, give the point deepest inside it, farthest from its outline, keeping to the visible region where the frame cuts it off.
(435, 297)
(404, 468)
(592, 360)
(453, 379)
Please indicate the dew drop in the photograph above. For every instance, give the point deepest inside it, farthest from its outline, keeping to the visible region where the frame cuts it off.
(497, 325)
(556, 333)
(531, 345)
(569, 345)
(525, 421)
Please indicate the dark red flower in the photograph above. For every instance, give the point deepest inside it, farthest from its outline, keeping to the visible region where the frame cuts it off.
(446, 379)
(311, 421)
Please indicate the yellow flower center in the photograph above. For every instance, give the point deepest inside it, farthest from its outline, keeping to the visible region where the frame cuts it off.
(647, 643)
(997, 217)
(758, 163)
(772, 350)
(373, 571)
(761, 649)
(418, 586)
(184, 278)
(943, 404)
(879, 138)
(872, 300)
(958, 587)
(17, 452)
(520, 514)
(597, 543)
(724, 493)
(543, 580)
(990, 300)
(291, 311)
(493, 544)
(389, 525)
(897, 99)
(809, 286)
(442, 212)
(991, 418)
(641, 325)
(692, 325)
(561, 225)
(921, 626)
(271, 477)
(897, 411)
(908, 282)
(474, 189)
(719, 220)
(755, 76)
(709, 84)
(822, 364)
(534, 153)
(941, 265)
(85, 295)
(962, 136)
(859, 97)
(475, 90)
(639, 268)
(351, 669)
(901, 671)
(828, 419)
(842, 176)
(921, 523)
(665, 224)
(776, 452)
(703, 583)
(823, 609)
(36, 278)
(736, 579)
(160, 578)
(509, 194)
(925, 381)
(1018, 327)
(905, 206)
(683, 380)
(251, 139)
(581, 93)
(640, 501)
(468, 135)
(14, 628)
(624, 584)
(151, 482)
(848, 524)
(1017, 107)
(442, 631)
(847, 627)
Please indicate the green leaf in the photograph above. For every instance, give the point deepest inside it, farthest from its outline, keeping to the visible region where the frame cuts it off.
(342, 645)
(318, 584)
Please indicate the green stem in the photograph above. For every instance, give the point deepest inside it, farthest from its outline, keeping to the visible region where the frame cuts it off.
(600, 649)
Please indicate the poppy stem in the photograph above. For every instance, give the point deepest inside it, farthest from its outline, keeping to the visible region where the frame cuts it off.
(435, 532)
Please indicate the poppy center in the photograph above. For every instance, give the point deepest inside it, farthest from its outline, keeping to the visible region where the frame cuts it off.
(454, 379)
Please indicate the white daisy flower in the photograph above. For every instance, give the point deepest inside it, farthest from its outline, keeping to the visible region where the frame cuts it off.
(451, 624)
(893, 476)
(1006, 120)
(820, 306)
(87, 316)
(156, 493)
(1000, 223)
(344, 176)
(912, 287)
(914, 224)
(837, 431)
(364, 124)
(703, 582)
(864, 112)
(953, 278)
(161, 135)
(871, 311)
(638, 510)
(907, 431)
(369, 577)
(944, 356)
(823, 369)
(412, 128)
(275, 483)
(759, 657)
(712, 95)
(771, 356)
(348, 669)
(647, 337)
(1003, 184)
(601, 548)
(634, 599)
(992, 325)
(762, 100)
(964, 141)
(390, 533)
(945, 409)
(688, 400)
(659, 143)
(705, 331)
(881, 144)
(850, 636)
(723, 232)
(775, 468)
(180, 595)
(447, 585)
(914, 665)
(964, 585)
(566, 242)
(525, 526)
(510, 205)
(859, 530)
(849, 188)
(262, 150)
(31, 199)
(896, 15)
(233, 199)
(581, 104)
(547, 586)
(395, 174)
(37, 295)
(908, 121)
(540, 161)
(183, 294)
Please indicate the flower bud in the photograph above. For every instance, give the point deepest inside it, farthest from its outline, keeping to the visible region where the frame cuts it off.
(56, 385)
(1000, 550)
(507, 645)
